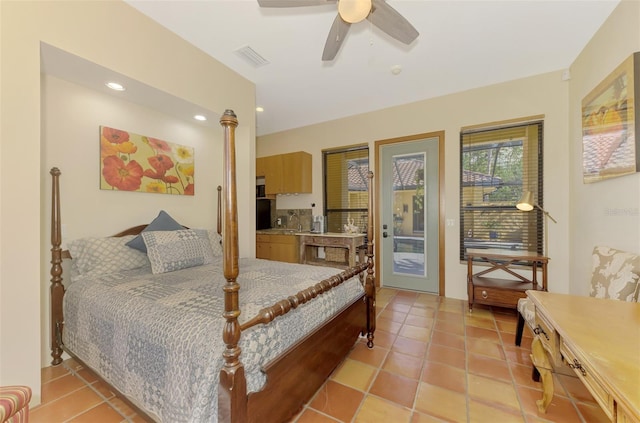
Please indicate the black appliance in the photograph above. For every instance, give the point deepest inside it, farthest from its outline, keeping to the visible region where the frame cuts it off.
(263, 213)
(260, 192)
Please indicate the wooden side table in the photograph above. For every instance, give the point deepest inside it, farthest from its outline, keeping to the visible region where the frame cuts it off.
(346, 244)
(499, 291)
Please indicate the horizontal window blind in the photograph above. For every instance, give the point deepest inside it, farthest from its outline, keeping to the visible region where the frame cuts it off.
(496, 166)
(346, 185)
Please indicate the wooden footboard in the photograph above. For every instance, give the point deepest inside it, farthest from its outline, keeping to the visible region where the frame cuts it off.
(293, 377)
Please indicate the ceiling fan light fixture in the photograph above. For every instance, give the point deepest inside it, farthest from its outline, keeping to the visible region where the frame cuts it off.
(354, 11)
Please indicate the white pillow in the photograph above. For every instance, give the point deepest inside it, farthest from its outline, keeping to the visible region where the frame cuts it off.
(98, 256)
(169, 251)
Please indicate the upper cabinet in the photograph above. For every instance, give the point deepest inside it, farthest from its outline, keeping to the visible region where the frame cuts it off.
(288, 173)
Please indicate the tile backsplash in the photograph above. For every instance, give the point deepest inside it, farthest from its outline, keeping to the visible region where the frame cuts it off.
(293, 219)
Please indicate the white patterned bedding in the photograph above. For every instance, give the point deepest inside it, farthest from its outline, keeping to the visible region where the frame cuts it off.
(158, 338)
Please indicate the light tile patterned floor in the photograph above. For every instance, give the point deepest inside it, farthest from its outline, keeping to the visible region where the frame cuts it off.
(432, 362)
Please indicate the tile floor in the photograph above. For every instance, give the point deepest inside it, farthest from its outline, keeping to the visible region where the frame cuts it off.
(432, 362)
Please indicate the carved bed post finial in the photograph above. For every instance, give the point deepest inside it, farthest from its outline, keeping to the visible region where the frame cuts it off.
(57, 289)
(232, 396)
(370, 284)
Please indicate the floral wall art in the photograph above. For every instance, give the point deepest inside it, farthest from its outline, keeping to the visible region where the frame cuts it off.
(132, 162)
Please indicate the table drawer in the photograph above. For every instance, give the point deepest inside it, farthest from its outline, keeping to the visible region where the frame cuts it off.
(589, 379)
(497, 296)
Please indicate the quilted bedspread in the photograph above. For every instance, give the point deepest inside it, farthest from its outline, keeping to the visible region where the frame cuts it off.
(157, 338)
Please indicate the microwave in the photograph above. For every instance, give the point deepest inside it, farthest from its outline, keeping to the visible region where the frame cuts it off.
(260, 192)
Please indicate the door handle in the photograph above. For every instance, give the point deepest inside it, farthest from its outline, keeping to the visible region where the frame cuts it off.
(385, 234)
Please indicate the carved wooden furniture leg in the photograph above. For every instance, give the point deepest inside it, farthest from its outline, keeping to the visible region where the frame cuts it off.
(541, 361)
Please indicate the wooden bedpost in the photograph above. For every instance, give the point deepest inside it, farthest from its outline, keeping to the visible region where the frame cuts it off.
(219, 228)
(232, 395)
(370, 283)
(57, 289)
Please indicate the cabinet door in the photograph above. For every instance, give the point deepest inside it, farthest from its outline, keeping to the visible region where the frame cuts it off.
(273, 175)
(263, 250)
(284, 252)
(296, 172)
(263, 246)
(261, 167)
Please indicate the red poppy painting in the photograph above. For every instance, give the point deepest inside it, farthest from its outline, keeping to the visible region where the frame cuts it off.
(132, 162)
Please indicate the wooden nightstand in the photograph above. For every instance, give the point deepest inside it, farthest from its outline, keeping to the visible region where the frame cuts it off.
(499, 291)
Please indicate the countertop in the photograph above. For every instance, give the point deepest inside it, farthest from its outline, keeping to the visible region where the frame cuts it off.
(279, 231)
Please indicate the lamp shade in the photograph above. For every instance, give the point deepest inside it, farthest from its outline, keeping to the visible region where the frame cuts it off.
(354, 11)
(526, 202)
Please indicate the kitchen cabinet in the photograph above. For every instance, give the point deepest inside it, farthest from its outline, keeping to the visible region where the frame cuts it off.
(288, 173)
(277, 247)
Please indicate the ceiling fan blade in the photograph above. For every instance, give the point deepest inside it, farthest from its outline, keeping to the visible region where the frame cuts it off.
(338, 31)
(293, 3)
(393, 23)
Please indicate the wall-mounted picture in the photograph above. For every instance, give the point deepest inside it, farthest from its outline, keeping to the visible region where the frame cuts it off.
(610, 121)
(132, 162)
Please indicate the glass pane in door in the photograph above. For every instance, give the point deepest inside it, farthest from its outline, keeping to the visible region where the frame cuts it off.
(408, 214)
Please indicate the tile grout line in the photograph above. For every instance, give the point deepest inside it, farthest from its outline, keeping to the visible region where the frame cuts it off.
(513, 379)
(104, 399)
(466, 312)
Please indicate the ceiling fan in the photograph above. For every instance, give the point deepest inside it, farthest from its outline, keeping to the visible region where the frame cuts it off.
(378, 12)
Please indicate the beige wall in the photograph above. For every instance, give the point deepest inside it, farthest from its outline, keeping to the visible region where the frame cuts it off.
(606, 212)
(603, 213)
(139, 49)
(542, 94)
(71, 115)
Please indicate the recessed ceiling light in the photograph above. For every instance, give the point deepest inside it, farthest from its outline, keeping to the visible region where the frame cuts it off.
(396, 69)
(259, 109)
(115, 86)
(200, 117)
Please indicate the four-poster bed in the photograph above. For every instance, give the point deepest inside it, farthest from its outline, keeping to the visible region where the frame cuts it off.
(280, 341)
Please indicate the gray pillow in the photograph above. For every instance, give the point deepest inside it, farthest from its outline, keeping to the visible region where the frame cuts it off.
(163, 222)
(169, 251)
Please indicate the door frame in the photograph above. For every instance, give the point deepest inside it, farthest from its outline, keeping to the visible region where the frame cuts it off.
(441, 216)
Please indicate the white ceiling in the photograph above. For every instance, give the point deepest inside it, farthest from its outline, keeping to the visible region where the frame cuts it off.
(462, 45)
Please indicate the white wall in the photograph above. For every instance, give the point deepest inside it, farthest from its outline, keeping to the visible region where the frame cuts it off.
(605, 212)
(138, 49)
(543, 94)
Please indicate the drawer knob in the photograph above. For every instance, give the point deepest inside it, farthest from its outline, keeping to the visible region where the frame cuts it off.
(485, 295)
(538, 330)
(577, 366)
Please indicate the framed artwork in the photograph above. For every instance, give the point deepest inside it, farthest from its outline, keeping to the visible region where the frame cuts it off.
(610, 120)
(132, 162)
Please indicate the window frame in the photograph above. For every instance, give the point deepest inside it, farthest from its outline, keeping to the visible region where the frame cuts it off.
(331, 225)
(530, 232)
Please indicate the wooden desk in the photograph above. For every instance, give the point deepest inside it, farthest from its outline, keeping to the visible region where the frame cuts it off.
(502, 292)
(345, 244)
(599, 339)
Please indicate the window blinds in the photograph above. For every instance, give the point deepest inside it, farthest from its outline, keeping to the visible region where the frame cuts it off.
(496, 166)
